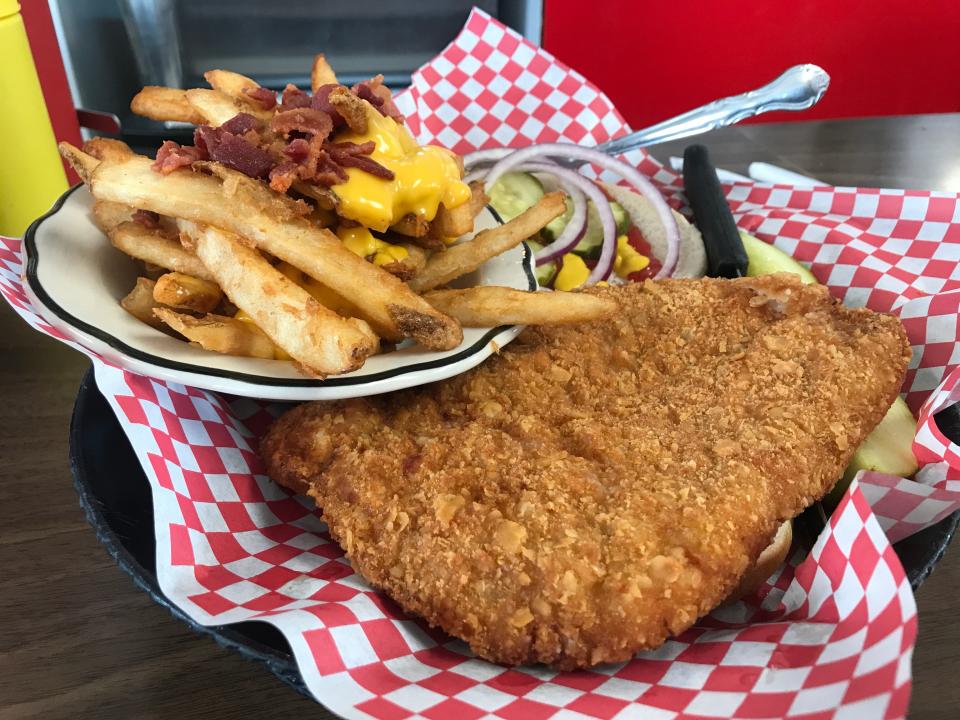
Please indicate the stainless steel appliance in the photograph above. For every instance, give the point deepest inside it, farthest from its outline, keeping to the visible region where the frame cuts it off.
(113, 47)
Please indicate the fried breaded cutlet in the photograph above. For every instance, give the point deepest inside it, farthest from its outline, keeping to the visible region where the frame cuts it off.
(594, 489)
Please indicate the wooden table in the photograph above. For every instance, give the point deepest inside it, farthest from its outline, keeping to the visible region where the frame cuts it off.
(79, 640)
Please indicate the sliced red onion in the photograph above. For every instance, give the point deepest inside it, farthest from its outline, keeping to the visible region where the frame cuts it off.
(578, 188)
(595, 157)
(490, 155)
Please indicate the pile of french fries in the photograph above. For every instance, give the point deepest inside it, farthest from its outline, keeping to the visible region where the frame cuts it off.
(226, 263)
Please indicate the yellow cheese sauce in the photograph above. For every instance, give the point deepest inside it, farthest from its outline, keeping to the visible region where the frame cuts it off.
(424, 177)
(360, 241)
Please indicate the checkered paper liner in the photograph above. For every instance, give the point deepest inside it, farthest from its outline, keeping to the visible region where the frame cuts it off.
(830, 635)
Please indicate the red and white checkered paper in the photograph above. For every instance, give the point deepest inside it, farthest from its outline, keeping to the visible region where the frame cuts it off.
(832, 633)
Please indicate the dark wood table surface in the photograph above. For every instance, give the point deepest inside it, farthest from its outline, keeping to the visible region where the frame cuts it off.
(77, 639)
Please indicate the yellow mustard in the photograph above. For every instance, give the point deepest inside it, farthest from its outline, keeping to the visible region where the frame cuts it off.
(424, 177)
(33, 175)
(573, 273)
(628, 260)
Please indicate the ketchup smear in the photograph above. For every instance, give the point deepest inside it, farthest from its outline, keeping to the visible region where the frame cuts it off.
(639, 243)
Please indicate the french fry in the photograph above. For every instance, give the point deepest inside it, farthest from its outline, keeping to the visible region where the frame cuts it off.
(412, 225)
(107, 148)
(321, 341)
(82, 163)
(352, 108)
(489, 306)
(216, 107)
(465, 257)
(108, 215)
(270, 220)
(407, 268)
(321, 73)
(150, 246)
(459, 221)
(139, 302)
(221, 334)
(324, 197)
(165, 104)
(186, 292)
(231, 84)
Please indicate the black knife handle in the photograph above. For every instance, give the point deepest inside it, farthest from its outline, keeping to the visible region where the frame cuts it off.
(721, 239)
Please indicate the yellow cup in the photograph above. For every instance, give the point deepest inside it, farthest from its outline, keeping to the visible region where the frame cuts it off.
(31, 174)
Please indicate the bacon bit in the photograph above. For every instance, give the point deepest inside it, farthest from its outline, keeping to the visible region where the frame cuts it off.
(352, 157)
(351, 148)
(264, 97)
(293, 98)
(305, 120)
(172, 155)
(148, 219)
(242, 123)
(298, 150)
(328, 172)
(378, 95)
(321, 101)
(233, 151)
(283, 176)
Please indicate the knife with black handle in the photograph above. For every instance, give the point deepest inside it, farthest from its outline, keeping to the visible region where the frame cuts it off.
(726, 256)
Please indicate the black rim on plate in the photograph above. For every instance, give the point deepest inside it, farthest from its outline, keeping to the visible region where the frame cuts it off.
(32, 266)
(116, 497)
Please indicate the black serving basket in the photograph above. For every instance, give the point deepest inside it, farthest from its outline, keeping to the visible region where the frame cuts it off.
(115, 495)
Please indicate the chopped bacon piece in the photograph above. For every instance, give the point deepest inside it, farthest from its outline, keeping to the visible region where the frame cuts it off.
(305, 120)
(241, 123)
(283, 176)
(321, 101)
(172, 155)
(353, 155)
(233, 151)
(298, 150)
(146, 218)
(328, 172)
(378, 95)
(293, 98)
(264, 97)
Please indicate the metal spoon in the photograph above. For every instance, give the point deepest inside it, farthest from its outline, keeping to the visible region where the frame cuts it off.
(798, 88)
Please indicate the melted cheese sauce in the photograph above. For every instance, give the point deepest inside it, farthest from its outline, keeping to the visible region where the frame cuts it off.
(424, 177)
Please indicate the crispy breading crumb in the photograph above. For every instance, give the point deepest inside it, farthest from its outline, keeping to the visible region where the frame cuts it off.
(593, 489)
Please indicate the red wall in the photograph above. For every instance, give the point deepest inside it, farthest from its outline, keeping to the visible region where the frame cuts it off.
(657, 59)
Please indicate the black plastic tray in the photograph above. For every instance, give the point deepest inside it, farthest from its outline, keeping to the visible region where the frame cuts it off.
(115, 496)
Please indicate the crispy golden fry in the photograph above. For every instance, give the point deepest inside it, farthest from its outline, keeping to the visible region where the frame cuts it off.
(466, 257)
(270, 220)
(139, 302)
(459, 221)
(186, 292)
(321, 341)
(150, 246)
(489, 306)
(83, 163)
(411, 225)
(352, 108)
(108, 215)
(321, 73)
(413, 263)
(107, 148)
(216, 107)
(221, 334)
(165, 104)
(233, 85)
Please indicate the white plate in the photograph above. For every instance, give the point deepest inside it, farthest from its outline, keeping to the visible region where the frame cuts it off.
(76, 279)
